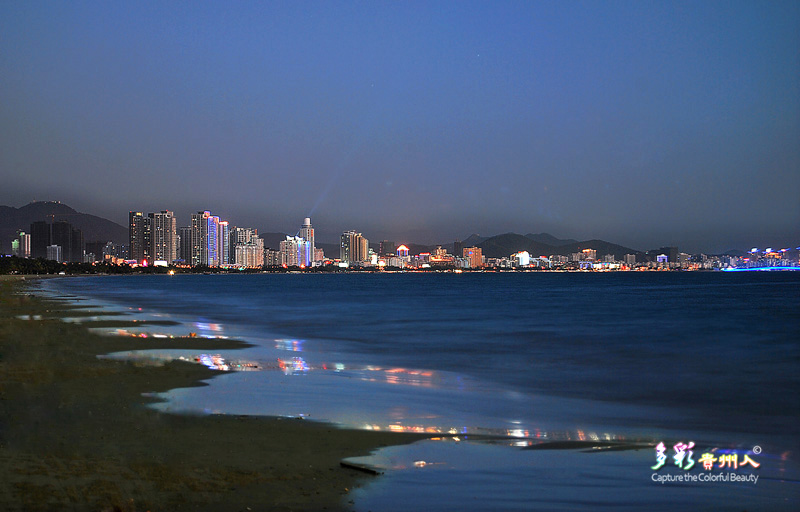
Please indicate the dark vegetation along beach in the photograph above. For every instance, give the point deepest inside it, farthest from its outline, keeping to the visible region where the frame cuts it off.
(75, 432)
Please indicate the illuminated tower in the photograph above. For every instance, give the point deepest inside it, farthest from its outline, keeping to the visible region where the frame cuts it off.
(205, 239)
(354, 247)
(294, 251)
(195, 249)
(307, 233)
(211, 230)
(223, 243)
(163, 236)
(475, 256)
(136, 236)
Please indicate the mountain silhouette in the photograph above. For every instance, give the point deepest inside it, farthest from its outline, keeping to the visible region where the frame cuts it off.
(94, 228)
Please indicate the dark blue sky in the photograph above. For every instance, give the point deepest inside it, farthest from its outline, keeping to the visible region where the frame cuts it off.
(644, 123)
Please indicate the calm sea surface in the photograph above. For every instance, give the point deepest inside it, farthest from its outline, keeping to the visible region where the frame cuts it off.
(711, 358)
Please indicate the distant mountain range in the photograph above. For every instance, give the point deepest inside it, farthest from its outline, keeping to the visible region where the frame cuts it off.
(98, 229)
(510, 243)
(94, 228)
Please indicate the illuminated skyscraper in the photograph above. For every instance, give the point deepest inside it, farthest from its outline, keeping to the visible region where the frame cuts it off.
(307, 233)
(136, 236)
(475, 256)
(205, 239)
(250, 254)
(211, 246)
(353, 248)
(294, 251)
(23, 245)
(223, 243)
(196, 239)
(163, 236)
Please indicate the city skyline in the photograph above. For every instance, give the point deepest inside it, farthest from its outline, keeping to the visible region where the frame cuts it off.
(167, 245)
(644, 123)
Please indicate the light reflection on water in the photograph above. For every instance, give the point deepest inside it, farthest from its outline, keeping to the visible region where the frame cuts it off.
(483, 458)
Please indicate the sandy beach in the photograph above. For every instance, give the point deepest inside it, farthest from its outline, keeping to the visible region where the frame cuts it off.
(75, 433)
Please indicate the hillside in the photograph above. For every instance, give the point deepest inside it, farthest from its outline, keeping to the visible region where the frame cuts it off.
(601, 246)
(509, 243)
(94, 228)
(504, 245)
(547, 238)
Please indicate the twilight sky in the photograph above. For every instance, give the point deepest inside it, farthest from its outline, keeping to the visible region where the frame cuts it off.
(642, 123)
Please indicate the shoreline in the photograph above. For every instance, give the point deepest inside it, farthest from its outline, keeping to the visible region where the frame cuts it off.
(75, 432)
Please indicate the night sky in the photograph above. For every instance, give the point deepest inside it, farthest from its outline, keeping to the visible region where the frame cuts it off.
(642, 123)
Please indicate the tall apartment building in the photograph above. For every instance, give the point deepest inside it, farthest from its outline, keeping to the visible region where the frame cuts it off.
(295, 251)
(205, 239)
(223, 243)
(474, 255)
(250, 254)
(272, 258)
(21, 246)
(185, 245)
(136, 236)
(354, 247)
(163, 236)
(241, 236)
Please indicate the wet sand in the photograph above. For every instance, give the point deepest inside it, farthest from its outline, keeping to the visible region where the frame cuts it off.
(75, 433)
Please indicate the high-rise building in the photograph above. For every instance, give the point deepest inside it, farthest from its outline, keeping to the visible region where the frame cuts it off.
(196, 239)
(21, 246)
(223, 243)
(250, 254)
(211, 246)
(54, 253)
(136, 236)
(294, 251)
(40, 239)
(185, 245)
(354, 247)
(307, 233)
(204, 238)
(25, 245)
(241, 236)
(272, 258)
(163, 236)
(630, 260)
(474, 255)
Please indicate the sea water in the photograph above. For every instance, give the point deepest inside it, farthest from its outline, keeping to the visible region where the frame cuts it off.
(706, 358)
